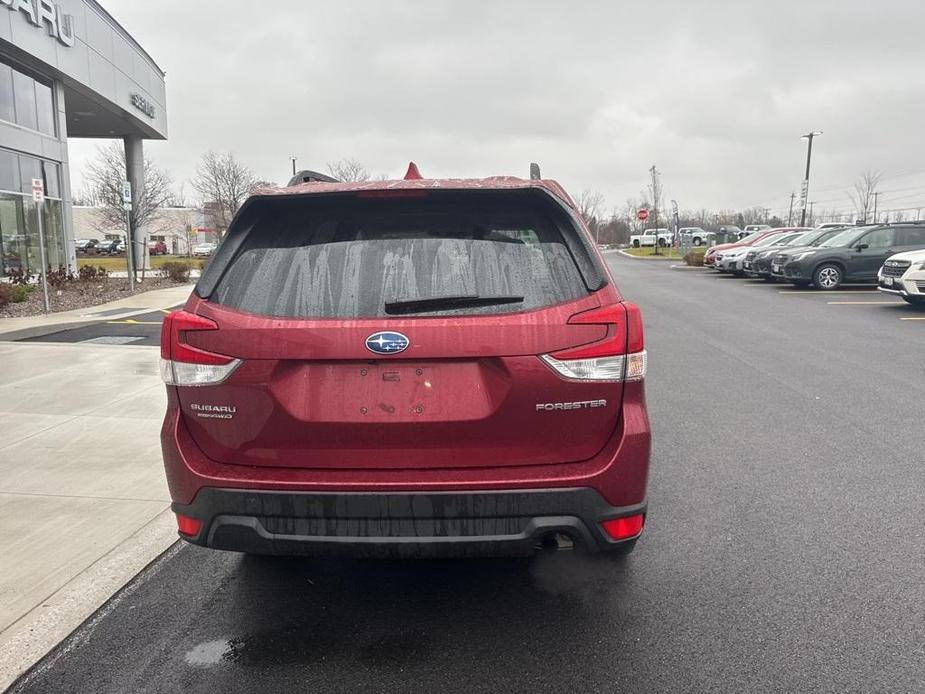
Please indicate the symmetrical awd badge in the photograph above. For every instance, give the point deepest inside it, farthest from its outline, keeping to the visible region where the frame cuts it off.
(387, 342)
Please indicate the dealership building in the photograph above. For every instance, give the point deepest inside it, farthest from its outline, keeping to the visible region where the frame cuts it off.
(67, 69)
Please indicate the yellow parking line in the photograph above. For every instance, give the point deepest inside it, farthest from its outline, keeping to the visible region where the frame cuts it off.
(129, 321)
(864, 303)
(914, 318)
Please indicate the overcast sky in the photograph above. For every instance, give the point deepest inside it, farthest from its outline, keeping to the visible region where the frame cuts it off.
(715, 93)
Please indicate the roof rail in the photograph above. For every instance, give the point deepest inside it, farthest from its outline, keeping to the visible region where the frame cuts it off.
(307, 176)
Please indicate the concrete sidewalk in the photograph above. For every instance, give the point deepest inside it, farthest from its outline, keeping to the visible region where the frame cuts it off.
(83, 499)
(35, 326)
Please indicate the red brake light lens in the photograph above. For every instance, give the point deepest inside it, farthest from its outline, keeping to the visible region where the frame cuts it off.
(396, 193)
(614, 343)
(624, 528)
(188, 526)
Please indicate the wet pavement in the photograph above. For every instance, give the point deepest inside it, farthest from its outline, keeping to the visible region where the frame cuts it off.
(783, 550)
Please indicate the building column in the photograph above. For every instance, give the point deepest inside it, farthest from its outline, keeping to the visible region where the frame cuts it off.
(135, 174)
(67, 208)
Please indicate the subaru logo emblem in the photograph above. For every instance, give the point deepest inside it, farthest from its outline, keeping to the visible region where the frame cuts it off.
(387, 343)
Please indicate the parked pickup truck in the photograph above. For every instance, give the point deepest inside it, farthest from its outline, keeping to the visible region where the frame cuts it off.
(696, 236)
(647, 238)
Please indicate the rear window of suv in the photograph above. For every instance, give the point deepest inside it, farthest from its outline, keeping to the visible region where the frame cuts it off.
(305, 258)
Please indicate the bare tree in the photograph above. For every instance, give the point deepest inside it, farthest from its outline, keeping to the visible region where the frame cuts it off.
(103, 177)
(863, 194)
(348, 170)
(224, 183)
(590, 203)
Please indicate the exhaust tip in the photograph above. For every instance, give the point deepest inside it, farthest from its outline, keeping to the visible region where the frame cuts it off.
(556, 542)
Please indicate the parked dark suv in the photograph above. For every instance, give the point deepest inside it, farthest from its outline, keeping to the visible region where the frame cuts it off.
(408, 368)
(853, 255)
(758, 262)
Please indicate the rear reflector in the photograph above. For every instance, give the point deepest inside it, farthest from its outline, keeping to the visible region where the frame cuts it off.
(624, 528)
(188, 526)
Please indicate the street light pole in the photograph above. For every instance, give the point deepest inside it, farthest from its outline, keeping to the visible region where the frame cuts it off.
(293, 165)
(655, 197)
(809, 155)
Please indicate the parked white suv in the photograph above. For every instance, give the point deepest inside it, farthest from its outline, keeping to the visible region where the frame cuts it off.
(647, 238)
(904, 274)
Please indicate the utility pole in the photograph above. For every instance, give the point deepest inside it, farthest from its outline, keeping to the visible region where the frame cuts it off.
(876, 201)
(655, 195)
(293, 165)
(812, 217)
(809, 155)
(793, 197)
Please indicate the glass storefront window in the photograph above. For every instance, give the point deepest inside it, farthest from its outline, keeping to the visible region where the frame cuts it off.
(13, 246)
(6, 93)
(29, 168)
(24, 95)
(45, 108)
(19, 234)
(52, 186)
(26, 101)
(53, 229)
(9, 171)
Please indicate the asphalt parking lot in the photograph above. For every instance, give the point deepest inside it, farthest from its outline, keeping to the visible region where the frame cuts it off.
(784, 551)
(143, 329)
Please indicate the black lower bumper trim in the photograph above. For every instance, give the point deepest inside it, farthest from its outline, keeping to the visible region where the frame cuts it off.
(510, 522)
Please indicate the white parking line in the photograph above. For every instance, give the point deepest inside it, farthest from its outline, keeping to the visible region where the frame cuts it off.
(913, 318)
(864, 303)
(813, 291)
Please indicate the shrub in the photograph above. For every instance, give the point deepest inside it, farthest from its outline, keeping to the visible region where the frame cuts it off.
(176, 270)
(21, 292)
(92, 273)
(694, 257)
(7, 293)
(59, 278)
(19, 276)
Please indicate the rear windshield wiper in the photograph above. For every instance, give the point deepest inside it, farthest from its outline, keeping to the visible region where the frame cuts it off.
(444, 303)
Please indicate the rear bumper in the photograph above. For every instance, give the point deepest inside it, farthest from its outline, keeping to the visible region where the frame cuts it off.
(425, 524)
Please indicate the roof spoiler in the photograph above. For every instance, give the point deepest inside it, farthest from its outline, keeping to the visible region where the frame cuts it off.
(307, 176)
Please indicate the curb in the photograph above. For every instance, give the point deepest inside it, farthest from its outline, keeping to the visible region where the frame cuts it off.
(645, 257)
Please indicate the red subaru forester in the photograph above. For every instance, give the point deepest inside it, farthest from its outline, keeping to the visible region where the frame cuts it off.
(407, 368)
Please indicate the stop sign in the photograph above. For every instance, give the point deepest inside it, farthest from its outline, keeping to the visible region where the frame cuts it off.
(642, 214)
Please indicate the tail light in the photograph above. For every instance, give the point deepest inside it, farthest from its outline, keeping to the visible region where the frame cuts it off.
(620, 356)
(185, 365)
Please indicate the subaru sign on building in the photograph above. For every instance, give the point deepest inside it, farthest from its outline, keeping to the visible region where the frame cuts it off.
(67, 69)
